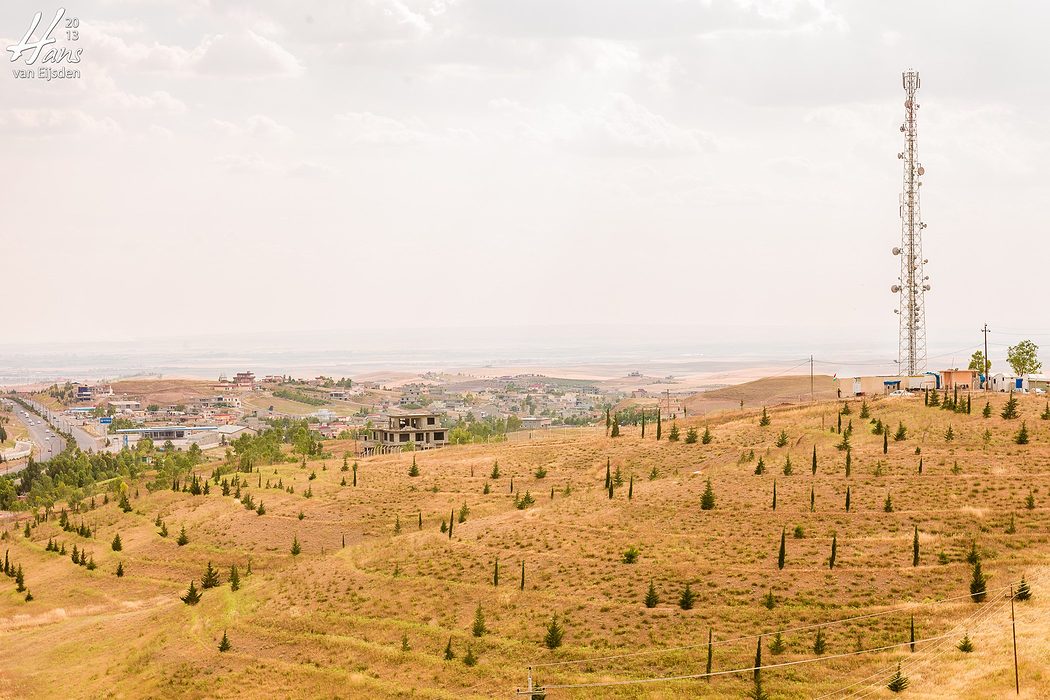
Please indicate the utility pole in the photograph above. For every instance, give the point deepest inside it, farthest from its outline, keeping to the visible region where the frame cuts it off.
(987, 364)
(811, 394)
(1013, 623)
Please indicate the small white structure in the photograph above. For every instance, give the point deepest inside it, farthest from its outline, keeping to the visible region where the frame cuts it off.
(1002, 381)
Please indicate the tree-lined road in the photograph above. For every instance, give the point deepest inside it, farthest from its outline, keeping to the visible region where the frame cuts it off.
(50, 446)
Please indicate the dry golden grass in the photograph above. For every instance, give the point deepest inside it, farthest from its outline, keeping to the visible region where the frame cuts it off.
(330, 622)
(164, 392)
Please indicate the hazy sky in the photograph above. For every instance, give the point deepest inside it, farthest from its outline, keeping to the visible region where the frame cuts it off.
(232, 165)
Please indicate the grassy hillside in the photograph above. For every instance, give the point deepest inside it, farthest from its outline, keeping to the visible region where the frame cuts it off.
(375, 616)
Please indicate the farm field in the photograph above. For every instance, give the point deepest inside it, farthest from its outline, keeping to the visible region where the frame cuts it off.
(373, 600)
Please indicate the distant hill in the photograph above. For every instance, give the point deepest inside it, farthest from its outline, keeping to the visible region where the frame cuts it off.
(766, 392)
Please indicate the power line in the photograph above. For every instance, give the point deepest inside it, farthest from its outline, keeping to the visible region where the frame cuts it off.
(721, 642)
(696, 676)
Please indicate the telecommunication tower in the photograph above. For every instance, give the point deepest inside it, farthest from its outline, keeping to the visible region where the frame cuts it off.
(913, 282)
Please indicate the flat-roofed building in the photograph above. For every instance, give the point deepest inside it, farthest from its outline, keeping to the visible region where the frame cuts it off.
(398, 429)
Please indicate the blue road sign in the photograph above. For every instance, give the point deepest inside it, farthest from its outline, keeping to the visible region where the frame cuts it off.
(105, 421)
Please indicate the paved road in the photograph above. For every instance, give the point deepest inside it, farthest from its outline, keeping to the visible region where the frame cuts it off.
(47, 446)
(85, 440)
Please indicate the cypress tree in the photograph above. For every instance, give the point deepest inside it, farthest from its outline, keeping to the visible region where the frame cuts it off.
(420, 526)
(615, 429)
(915, 547)
(449, 654)
(783, 548)
(814, 465)
(885, 441)
(847, 498)
(235, 578)
(20, 579)
(643, 424)
(495, 573)
(451, 518)
(659, 423)
(849, 461)
(834, 550)
(912, 634)
(758, 659)
(355, 474)
(522, 586)
(812, 498)
(774, 494)
(630, 489)
(608, 473)
(710, 651)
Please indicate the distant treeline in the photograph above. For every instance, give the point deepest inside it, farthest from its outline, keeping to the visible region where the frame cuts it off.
(300, 396)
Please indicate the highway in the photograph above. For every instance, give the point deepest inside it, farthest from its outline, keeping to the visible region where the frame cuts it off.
(52, 446)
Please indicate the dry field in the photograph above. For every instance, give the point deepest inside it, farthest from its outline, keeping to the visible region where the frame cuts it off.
(331, 621)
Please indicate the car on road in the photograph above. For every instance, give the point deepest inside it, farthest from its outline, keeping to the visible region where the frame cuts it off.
(901, 392)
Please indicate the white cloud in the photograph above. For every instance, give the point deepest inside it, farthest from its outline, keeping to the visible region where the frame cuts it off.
(255, 126)
(245, 55)
(54, 122)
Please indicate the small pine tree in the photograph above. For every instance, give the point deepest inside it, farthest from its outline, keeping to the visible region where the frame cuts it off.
(887, 505)
(651, 598)
(470, 659)
(760, 468)
(1029, 502)
(782, 439)
(949, 434)
(120, 569)
(615, 429)
(692, 436)
(183, 539)
(965, 646)
(707, 437)
(210, 578)
(296, 548)
(865, 413)
(820, 643)
(397, 525)
(555, 634)
(193, 596)
(20, 579)
(777, 646)
(449, 654)
(478, 629)
(987, 411)
(789, 468)
(1024, 591)
(225, 645)
(235, 578)
(1045, 415)
(764, 420)
(117, 545)
(414, 469)
(405, 646)
(901, 434)
(707, 501)
(978, 583)
(687, 599)
(674, 433)
(1022, 435)
(898, 682)
(768, 600)
(1010, 408)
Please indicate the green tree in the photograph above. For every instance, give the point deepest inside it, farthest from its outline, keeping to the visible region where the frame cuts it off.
(777, 646)
(553, 638)
(1022, 435)
(1024, 591)
(820, 643)
(210, 578)
(987, 411)
(674, 433)
(692, 436)
(235, 578)
(615, 429)
(898, 682)
(783, 548)
(978, 583)
(901, 434)
(193, 596)
(470, 659)
(651, 598)
(1023, 358)
(687, 599)
(915, 547)
(296, 548)
(707, 437)
(117, 545)
(764, 420)
(414, 469)
(966, 645)
(478, 629)
(120, 569)
(1010, 409)
(707, 501)
(449, 654)
(183, 538)
(225, 645)
(979, 364)
(834, 550)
